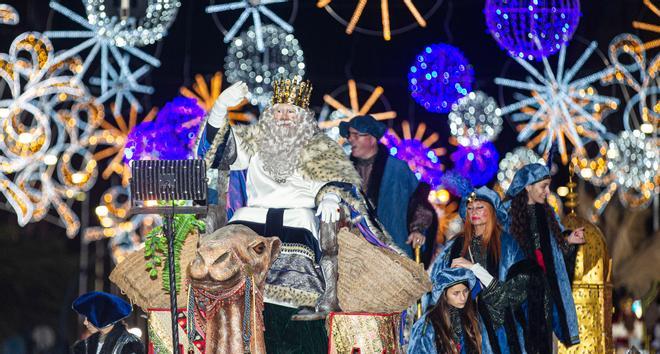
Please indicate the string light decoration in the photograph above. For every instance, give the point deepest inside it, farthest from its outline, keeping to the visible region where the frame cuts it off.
(593, 168)
(532, 29)
(113, 216)
(205, 98)
(440, 76)
(115, 137)
(475, 119)
(283, 58)
(329, 121)
(254, 9)
(44, 115)
(8, 15)
(631, 69)
(645, 26)
(476, 163)
(387, 31)
(559, 107)
(113, 40)
(171, 136)
(422, 154)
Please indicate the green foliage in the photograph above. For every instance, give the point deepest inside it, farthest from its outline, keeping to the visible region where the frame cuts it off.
(155, 248)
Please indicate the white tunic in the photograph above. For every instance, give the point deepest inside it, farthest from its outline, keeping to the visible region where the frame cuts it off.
(296, 194)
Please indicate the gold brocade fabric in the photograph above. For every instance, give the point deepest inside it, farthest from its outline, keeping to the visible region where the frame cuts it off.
(368, 332)
(160, 332)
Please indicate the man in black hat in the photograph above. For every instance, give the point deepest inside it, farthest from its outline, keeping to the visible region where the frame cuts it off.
(399, 198)
(103, 313)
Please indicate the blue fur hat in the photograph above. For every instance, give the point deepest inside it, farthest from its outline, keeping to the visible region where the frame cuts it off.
(364, 124)
(102, 309)
(488, 195)
(448, 277)
(526, 176)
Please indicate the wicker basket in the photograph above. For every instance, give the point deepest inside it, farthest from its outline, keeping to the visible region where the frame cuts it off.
(133, 279)
(376, 280)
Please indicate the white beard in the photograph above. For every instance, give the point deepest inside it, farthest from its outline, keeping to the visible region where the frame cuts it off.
(280, 144)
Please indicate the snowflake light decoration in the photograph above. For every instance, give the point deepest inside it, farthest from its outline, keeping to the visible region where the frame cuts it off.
(421, 154)
(439, 77)
(42, 130)
(385, 17)
(559, 107)
(283, 58)
(205, 98)
(475, 119)
(476, 163)
(649, 26)
(113, 215)
(342, 113)
(532, 29)
(254, 9)
(108, 38)
(115, 137)
(8, 15)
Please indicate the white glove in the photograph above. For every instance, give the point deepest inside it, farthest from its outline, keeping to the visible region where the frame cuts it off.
(329, 208)
(230, 97)
(482, 274)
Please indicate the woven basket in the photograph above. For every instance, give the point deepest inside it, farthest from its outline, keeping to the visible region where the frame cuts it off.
(132, 277)
(377, 280)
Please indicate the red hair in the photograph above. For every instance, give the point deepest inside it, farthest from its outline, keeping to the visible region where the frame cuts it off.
(491, 237)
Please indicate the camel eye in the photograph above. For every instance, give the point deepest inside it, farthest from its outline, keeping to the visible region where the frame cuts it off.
(259, 248)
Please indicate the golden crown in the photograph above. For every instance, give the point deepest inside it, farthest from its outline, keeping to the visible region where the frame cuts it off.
(293, 92)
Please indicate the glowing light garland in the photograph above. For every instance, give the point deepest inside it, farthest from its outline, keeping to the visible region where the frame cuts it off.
(421, 154)
(559, 107)
(113, 40)
(511, 163)
(475, 119)
(8, 15)
(283, 58)
(205, 98)
(42, 131)
(126, 232)
(254, 9)
(439, 77)
(420, 20)
(532, 29)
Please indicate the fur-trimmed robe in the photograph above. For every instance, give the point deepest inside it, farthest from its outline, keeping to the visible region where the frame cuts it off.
(321, 160)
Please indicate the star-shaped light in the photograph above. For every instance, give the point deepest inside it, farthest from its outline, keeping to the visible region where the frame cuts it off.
(649, 26)
(206, 99)
(254, 9)
(115, 137)
(559, 107)
(385, 14)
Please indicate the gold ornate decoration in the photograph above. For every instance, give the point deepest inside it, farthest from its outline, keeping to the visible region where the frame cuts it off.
(592, 286)
(367, 332)
(293, 92)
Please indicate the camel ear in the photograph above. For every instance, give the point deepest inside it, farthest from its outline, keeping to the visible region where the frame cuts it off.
(274, 243)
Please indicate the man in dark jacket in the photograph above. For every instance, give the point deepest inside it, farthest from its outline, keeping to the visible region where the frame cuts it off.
(103, 313)
(393, 190)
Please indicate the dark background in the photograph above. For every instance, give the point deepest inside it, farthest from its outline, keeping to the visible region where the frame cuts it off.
(39, 265)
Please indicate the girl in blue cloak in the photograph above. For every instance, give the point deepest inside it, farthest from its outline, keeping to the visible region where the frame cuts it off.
(452, 324)
(499, 264)
(535, 226)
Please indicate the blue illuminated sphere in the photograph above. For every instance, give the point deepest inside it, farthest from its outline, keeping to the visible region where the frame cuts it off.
(439, 77)
(422, 160)
(516, 23)
(478, 164)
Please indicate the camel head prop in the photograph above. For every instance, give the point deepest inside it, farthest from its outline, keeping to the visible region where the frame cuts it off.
(227, 279)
